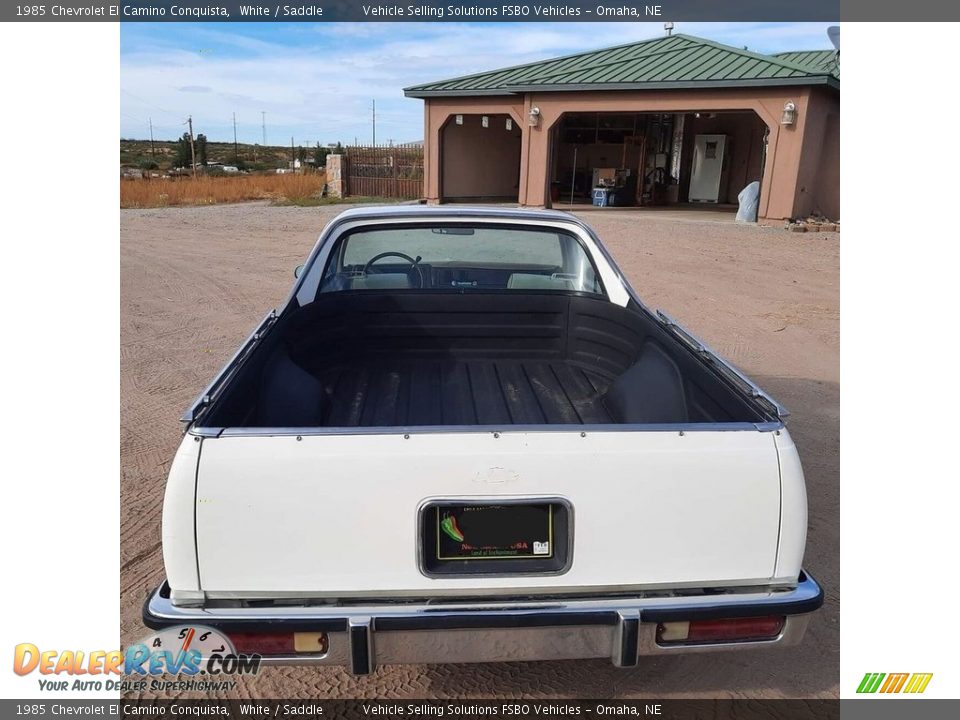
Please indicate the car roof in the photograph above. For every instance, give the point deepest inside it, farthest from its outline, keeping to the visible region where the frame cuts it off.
(408, 212)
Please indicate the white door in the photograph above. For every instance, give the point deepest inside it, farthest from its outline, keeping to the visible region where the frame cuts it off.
(707, 168)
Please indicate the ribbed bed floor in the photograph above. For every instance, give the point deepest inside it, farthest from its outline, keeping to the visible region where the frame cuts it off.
(463, 392)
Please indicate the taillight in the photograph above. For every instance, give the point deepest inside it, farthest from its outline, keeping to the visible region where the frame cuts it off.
(720, 631)
(279, 643)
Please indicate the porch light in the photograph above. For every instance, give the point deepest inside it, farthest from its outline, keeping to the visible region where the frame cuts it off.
(789, 116)
(509, 123)
(485, 121)
(534, 117)
(459, 119)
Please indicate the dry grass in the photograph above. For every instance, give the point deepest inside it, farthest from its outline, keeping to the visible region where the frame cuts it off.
(164, 192)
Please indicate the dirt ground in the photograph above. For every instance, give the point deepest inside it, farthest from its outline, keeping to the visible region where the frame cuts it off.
(194, 281)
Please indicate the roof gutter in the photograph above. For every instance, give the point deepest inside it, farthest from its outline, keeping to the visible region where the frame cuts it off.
(414, 93)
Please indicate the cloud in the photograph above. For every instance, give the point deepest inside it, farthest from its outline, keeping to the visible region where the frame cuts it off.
(316, 81)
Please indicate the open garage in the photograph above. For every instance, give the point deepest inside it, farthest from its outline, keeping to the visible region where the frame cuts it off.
(673, 121)
(655, 159)
(480, 158)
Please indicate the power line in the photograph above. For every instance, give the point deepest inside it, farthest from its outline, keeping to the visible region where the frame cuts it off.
(152, 126)
(153, 105)
(146, 121)
(132, 117)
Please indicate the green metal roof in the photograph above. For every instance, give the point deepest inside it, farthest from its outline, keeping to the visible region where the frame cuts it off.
(675, 61)
(819, 60)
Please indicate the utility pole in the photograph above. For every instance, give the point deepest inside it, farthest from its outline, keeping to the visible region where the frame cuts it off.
(193, 152)
(263, 120)
(153, 150)
(236, 153)
(374, 113)
(293, 156)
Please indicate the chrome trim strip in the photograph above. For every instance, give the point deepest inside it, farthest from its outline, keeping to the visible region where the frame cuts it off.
(488, 429)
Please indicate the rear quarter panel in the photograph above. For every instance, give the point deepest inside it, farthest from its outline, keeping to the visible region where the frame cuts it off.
(179, 507)
(793, 509)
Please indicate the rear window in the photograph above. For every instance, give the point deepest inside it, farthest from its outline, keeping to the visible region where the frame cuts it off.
(460, 258)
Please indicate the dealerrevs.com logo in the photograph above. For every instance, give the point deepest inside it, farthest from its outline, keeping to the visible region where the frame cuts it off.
(189, 651)
(910, 683)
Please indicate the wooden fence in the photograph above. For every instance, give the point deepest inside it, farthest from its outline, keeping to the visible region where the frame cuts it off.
(389, 171)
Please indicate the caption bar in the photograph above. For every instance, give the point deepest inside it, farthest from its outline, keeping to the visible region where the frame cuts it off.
(319, 709)
(423, 11)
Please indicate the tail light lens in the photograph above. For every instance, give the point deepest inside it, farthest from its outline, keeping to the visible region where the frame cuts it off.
(289, 643)
(720, 631)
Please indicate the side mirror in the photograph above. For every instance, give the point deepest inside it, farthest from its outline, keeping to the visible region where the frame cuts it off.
(297, 271)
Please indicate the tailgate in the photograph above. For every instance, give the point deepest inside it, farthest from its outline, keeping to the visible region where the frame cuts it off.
(336, 515)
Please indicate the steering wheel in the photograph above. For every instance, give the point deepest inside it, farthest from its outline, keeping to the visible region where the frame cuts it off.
(414, 263)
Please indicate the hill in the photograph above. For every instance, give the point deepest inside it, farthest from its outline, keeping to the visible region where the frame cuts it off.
(137, 153)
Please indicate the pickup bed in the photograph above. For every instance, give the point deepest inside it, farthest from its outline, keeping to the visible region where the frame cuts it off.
(464, 438)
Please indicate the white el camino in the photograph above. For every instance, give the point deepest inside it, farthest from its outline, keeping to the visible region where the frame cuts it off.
(464, 438)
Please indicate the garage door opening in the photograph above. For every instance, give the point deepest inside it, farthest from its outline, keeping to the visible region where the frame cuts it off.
(693, 159)
(480, 159)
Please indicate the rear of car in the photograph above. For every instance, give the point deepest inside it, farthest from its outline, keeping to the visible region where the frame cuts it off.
(484, 449)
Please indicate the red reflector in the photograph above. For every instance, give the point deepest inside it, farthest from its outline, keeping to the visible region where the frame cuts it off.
(261, 643)
(726, 630)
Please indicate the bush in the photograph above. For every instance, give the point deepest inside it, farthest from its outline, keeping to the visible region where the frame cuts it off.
(212, 189)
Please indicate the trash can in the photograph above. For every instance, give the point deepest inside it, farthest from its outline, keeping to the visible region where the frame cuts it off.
(601, 197)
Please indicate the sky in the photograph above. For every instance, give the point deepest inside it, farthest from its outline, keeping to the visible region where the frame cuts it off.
(316, 82)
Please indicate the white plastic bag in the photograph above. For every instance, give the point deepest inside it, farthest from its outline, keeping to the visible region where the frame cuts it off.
(749, 199)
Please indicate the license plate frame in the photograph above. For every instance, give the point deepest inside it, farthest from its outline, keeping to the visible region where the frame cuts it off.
(511, 522)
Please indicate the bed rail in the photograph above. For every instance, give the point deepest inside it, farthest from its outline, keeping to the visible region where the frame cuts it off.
(211, 391)
(728, 370)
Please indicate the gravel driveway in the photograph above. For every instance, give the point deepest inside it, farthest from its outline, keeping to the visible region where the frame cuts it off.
(194, 282)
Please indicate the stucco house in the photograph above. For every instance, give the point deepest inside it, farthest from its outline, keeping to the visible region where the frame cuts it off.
(675, 120)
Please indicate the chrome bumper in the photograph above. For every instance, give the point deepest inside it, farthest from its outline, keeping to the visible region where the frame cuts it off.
(615, 627)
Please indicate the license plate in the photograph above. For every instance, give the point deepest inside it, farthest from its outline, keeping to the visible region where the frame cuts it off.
(506, 537)
(475, 532)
